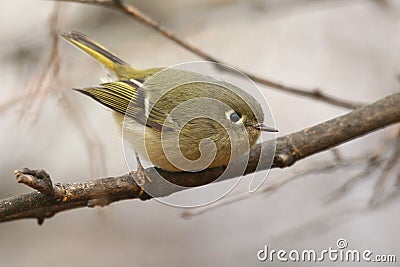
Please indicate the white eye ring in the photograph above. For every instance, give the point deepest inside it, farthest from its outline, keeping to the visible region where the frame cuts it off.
(233, 116)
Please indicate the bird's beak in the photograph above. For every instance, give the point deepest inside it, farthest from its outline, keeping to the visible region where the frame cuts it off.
(264, 128)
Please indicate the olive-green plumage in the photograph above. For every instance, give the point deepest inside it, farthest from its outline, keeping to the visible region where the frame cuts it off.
(151, 107)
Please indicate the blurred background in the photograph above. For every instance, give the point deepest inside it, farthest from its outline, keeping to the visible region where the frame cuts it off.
(349, 49)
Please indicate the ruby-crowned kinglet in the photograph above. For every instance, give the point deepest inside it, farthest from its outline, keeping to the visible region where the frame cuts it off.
(168, 114)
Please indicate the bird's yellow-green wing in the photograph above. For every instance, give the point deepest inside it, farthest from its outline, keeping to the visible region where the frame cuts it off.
(127, 98)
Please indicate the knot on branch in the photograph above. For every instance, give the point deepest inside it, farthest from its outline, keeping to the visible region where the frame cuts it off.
(317, 92)
(283, 160)
(37, 179)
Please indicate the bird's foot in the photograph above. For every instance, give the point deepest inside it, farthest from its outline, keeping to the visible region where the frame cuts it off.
(142, 177)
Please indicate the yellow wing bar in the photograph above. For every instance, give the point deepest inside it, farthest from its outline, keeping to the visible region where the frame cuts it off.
(127, 98)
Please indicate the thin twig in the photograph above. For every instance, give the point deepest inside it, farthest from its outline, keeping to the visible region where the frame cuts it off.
(372, 165)
(90, 137)
(336, 155)
(13, 102)
(380, 183)
(37, 179)
(318, 225)
(273, 185)
(48, 82)
(134, 13)
(105, 3)
(42, 86)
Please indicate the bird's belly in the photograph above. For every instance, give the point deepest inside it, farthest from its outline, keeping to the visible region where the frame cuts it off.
(150, 147)
(144, 141)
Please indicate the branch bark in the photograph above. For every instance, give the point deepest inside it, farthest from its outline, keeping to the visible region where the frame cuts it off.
(51, 199)
(137, 15)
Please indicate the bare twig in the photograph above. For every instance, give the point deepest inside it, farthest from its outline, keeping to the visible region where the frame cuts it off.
(37, 179)
(372, 165)
(50, 199)
(42, 85)
(380, 183)
(318, 225)
(272, 186)
(289, 149)
(8, 104)
(47, 82)
(373, 159)
(91, 139)
(337, 155)
(136, 14)
(105, 3)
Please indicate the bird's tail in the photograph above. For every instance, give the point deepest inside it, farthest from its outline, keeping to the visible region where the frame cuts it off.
(112, 62)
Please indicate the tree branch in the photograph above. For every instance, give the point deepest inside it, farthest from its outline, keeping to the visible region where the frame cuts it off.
(136, 14)
(51, 199)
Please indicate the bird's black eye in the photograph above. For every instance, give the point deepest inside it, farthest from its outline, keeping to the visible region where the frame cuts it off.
(234, 117)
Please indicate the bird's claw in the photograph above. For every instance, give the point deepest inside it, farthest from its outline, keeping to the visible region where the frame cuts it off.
(141, 177)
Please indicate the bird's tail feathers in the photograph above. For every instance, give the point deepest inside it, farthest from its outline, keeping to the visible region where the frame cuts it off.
(112, 62)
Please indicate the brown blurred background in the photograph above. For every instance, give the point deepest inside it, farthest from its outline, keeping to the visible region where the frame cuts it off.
(348, 48)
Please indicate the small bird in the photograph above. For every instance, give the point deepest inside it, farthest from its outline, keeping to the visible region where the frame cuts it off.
(177, 119)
